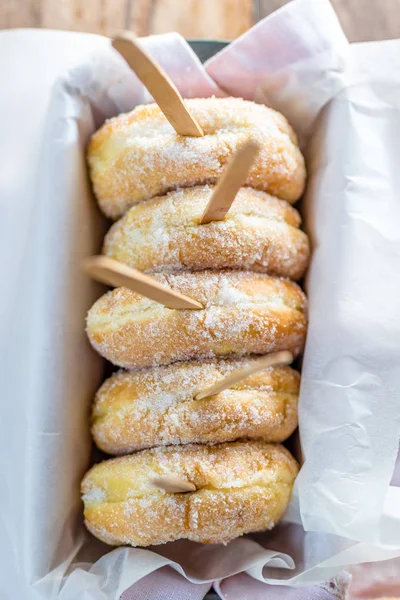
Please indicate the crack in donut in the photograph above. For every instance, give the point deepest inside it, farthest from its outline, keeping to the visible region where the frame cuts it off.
(241, 487)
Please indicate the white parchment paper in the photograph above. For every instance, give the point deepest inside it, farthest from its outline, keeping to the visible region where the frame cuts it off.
(345, 104)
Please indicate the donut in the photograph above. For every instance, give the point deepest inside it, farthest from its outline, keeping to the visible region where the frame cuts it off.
(244, 313)
(138, 155)
(156, 407)
(241, 487)
(260, 233)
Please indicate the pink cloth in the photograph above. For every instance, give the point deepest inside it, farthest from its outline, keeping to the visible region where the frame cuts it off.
(374, 580)
(166, 584)
(243, 587)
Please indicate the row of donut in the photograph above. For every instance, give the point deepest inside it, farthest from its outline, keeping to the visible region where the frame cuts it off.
(158, 184)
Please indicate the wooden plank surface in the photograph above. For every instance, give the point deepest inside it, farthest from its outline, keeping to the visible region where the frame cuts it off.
(224, 19)
(362, 20)
(95, 16)
(211, 19)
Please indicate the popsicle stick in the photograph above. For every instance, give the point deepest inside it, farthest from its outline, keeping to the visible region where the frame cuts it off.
(230, 182)
(109, 271)
(158, 83)
(172, 483)
(278, 358)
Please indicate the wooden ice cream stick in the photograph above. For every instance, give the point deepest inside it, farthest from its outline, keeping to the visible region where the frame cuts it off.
(278, 358)
(231, 181)
(172, 483)
(158, 83)
(111, 272)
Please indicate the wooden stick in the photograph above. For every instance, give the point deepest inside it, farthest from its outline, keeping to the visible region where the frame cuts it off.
(109, 271)
(230, 182)
(279, 358)
(158, 83)
(172, 483)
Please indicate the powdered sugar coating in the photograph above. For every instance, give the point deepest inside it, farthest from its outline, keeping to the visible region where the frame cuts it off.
(138, 155)
(260, 233)
(241, 487)
(244, 313)
(156, 407)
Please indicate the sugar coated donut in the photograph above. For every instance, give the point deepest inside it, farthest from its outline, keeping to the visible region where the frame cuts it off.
(138, 155)
(245, 313)
(156, 407)
(241, 487)
(260, 233)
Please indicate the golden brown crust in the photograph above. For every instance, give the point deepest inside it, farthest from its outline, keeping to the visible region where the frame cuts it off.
(260, 233)
(245, 313)
(241, 487)
(156, 407)
(138, 155)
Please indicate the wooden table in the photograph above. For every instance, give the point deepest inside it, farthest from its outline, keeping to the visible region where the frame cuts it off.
(362, 20)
